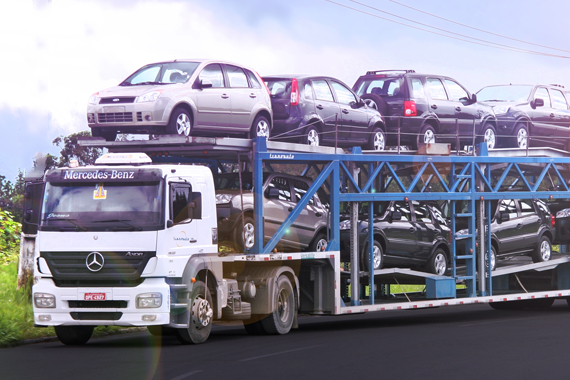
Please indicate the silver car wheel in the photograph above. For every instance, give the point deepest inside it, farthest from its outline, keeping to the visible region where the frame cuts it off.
(183, 124)
(545, 250)
(379, 141)
(248, 235)
(313, 137)
(429, 137)
(262, 128)
(522, 137)
(440, 264)
(377, 257)
(490, 138)
(321, 245)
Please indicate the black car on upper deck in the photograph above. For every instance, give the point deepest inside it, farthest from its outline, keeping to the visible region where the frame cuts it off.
(426, 108)
(533, 115)
(319, 110)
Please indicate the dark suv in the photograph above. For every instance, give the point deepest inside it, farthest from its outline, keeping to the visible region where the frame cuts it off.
(527, 114)
(408, 234)
(426, 108)
(519, 227)
(281, 194)
(319, 110)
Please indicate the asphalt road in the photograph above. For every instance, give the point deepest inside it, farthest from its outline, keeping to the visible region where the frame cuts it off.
(458, 342)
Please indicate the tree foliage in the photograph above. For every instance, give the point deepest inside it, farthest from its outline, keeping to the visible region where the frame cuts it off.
(71, 150)
(9, 237)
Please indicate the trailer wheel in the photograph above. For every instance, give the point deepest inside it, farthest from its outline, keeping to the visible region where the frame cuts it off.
(74, 335)
(281, 320)
(377, 140)
(544, 250)
(180, 123)
(378, 255)
(488, 135)
(520, 139)
(311, 136)
(437, 263)
(245, 237)
(260, 128)
(200, 314)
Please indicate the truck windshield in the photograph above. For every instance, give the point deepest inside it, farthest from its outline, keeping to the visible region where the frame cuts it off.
(103, 206)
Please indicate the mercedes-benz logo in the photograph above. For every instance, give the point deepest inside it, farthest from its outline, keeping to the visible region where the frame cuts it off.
(94, 261)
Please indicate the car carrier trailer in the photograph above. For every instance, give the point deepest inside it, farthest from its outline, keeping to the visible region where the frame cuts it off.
(182, 291)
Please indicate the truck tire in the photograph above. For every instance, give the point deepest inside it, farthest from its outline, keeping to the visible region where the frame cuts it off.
(378, 256)
(180, 123)
(245, 238)
(74, 335)
(200, 316)
(281, 320)
(543, 251)
(437, 263)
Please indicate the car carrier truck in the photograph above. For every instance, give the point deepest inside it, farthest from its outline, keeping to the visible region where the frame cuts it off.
(133, 240)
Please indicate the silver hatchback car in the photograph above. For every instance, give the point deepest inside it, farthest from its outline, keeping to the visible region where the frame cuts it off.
(185, 97)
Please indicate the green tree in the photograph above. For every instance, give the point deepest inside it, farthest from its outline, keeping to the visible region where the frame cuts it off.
(70, 149)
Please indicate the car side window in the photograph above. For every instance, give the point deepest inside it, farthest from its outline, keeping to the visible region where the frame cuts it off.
(308, 92)
(404, 209)
(214, 74)
(322, 90)
(558, 100)
(526, 208)
(253, 80)
(281, 184)
(422, 213)
(542, 93)
(417, 88)
(436, 89)
(343, 94)
(236, 77)
(300, 188)
(456, 92)
(509, 206)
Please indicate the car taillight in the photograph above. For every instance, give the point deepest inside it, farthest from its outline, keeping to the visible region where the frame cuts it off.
(294, 92)
(552, 220)
(410, 108)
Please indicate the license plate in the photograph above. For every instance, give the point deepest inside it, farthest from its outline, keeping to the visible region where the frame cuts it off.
(94, 296)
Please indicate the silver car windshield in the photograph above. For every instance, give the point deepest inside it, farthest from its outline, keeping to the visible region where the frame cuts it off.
(162, 73)
(511, 93)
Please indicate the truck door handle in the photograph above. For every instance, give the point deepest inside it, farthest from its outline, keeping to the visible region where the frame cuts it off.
(434, 106)
(320, 107)
(345, 111)
(192, 240)
(252, 95)
(225, 96)
(458, 109)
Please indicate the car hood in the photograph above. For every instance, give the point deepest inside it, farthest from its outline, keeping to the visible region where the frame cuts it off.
(131, 90)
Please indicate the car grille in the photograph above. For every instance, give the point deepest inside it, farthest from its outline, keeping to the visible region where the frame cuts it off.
(95, 316)
(127, 99)
(98, 304)
(115, 117)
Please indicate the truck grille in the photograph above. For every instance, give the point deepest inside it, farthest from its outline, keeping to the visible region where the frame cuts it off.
(96, 316)
(119, 268)
(115, 117)
(125, 99)
(98, 304)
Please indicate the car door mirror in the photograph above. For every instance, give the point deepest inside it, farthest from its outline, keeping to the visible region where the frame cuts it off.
(205, 83)
(272, 193)
(359, 104)
(538, 102)
(504, 217)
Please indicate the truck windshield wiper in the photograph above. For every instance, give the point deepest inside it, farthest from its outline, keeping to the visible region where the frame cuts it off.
(72, 221)
(124, 221)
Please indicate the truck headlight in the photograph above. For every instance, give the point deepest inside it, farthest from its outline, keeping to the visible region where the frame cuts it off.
(44, 300)
(223, 198)
(149, 96)
(149, 300)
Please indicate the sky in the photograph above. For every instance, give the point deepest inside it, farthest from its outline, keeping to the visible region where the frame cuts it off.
(55, 54)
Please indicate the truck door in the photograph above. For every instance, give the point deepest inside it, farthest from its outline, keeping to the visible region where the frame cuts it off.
(183, 215)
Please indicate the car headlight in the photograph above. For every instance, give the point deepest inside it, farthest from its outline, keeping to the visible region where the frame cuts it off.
(223, 198)
(149, 300)
(44, 300)
(149, 96)
(563, 213)
(94, 99)
(345, 224)
(501, 110)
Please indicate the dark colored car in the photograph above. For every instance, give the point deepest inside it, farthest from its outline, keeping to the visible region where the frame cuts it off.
(408, 234)
(537, 115)
(519, 227)
(318, 110)
(281, 194)
(426, 108)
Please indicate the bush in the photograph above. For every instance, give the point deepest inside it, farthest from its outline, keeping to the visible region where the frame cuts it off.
(9, 237)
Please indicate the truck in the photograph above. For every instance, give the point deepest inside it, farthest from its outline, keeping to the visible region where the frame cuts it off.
(133, 239)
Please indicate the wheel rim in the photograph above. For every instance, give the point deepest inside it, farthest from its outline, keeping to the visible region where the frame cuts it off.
(493, 260)
(201, 312)
(283, 305)
(440, 264)
(262, 129)
(490, 138)
(379, 141)
(522, 138)
(429, 137)
(248, 235)
(371, 103)
(183, 124)
(313, 137)
(321, 245)
(545, 250)
(377, 257)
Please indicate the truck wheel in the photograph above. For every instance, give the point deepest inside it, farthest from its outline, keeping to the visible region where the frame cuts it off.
(180, 123)
(378, 256)
(377, 140)
(74, 335)
(520, 139)
(281, 320)
(200, 316)
(260, 128)
(544, 250)
(319, 243)
(245, 238)
(438, 263)
(488, 135)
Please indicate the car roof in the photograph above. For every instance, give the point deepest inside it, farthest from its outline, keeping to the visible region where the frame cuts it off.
(204, 61)
(298, 76)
